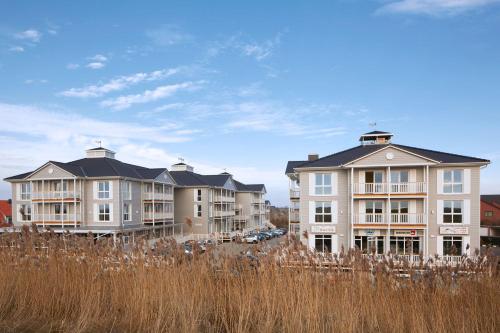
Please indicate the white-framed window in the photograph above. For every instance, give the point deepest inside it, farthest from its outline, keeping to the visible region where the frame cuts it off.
(198, 195)
(452, 245)
(127, 190)
(405, 245)
(104, 213)
(25, 193)
(25, 212)
(453, 181)
(399, 211)
(374, 211)
(61, 186)
(198, 210)
(323, 243)
(323, 212)
(103, 190)
(400, 176)
(60, 210)
(127, 209)
(453, 211)
(369, 244)
(323, 184)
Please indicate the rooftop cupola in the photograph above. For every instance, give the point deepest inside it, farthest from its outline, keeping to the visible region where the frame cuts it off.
(182, 167)
(100, 152)
(376, 138)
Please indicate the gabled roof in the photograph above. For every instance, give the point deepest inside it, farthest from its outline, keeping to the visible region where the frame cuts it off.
(5, 208)
(293, 164)
(493, 199)
(188, 178)
(101, 167)
(352, 154)
(249, 187)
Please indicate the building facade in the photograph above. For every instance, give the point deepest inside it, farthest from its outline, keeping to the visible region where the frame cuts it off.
(216, 205)
(97, 194)
(490, 220)
(382, 197)
(5, 213)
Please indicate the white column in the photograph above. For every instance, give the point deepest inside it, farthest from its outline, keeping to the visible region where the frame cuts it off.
(352, 209)
(43, 203)
(74, 201)
(388, 209)
(62, 203)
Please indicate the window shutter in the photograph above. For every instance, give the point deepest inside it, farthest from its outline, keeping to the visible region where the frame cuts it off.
(18, 190)
(412, 207)
(362, 207)
(312, 209)
(334, 184)
(110, 210)
(111, 189)
(195, 194)
(467, 181)
(412, 177)
(95, 186)
(439, 212)
(335, 213)
(195, 210)
(335, 244)
(18, 208)
(440, 181)
(312, 179)
(439, 248)
(311, 241)
(466, 213)
(465, 242)
(96, 211)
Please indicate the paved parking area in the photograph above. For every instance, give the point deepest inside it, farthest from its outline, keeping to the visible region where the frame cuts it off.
(239, 248)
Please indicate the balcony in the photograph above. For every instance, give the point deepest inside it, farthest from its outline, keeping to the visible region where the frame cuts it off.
(389, 188)
(149, 216)
(55, 195)
(294, 194)
(218, 198)
(399, 219)
(157, 196)
(56, 218)
(294, 216)
(223, 213)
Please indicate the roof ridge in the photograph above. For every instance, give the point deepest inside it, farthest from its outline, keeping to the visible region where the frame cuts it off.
(439, 152)
(341, 152)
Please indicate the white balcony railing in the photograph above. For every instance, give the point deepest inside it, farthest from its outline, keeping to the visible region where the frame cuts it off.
(294, 193)
(55, 195)
(222, 213)
(294, 216)
(408, 218)
(158, 216)
(55, 217)
(157, 196)
(385, 188)
(369, 218)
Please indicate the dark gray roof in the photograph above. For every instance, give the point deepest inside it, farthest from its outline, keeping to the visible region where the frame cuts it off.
(249, 187)
(102, 167)
(376, 132)
(293, 164)
(491, 198)
(349, 155)
(188, 178)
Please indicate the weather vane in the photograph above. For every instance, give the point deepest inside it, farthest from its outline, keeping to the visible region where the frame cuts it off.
(372, 124)
(99, 142)
(181, 159)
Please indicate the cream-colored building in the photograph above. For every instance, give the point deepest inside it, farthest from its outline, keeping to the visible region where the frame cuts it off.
(383, 197)
(97, 194)
(216, 204)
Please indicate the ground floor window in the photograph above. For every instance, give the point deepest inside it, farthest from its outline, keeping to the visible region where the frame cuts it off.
(405, 245)
(370, 244)
(452, 246)
(323, 243)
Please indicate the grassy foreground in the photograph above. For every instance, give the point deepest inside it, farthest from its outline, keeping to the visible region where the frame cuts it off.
(73, 285)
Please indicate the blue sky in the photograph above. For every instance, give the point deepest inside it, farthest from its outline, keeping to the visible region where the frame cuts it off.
(246, 86)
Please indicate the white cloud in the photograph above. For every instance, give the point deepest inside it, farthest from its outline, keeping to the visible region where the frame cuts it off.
(168, 35)
(118, 83)
(260, 51)
(16, 49)
(72, 66)
(124, 102)
(95, 65)
(30, 35)
(98, 58)
(60, 126)
(433, 7)
(33, 81)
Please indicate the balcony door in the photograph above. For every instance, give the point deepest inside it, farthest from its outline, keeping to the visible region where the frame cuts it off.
(374, 211)
(373, 181)
(399, 212)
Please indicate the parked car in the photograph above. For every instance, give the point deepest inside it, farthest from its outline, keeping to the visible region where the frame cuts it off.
(267, 234)
(277, 232)
(251, 239)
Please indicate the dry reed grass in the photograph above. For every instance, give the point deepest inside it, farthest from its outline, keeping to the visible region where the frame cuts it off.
(51, 284)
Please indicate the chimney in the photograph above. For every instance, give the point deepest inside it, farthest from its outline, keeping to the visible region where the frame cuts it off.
(312, 157)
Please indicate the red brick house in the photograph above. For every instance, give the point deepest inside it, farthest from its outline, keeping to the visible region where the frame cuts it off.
(5, 213)
(490, 219)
